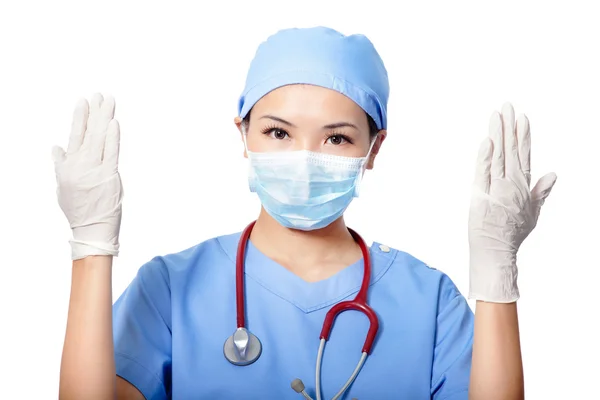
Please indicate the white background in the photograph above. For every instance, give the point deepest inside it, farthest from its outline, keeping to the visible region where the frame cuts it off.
(176, 69)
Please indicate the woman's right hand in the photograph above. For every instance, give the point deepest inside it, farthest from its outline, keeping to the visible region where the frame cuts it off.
(89, 189)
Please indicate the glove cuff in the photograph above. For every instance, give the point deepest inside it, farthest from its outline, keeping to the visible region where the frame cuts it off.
(81, 249)
(494, 284)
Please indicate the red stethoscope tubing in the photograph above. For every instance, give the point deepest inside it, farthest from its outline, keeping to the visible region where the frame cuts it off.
(358, 304)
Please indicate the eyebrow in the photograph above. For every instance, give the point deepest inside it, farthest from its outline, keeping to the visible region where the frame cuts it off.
(328, 126)
(283, 121)
(340, 125)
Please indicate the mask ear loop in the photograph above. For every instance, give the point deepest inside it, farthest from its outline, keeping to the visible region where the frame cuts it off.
(364, 167)
(371, 148)
(251, 174)
(245, 137)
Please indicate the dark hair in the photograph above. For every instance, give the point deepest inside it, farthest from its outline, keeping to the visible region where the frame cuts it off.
(373, 130)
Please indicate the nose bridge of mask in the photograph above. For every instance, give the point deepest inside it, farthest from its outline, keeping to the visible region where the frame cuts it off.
(300, 159)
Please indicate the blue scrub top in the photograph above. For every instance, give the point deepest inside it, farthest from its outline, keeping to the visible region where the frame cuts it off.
(171, 322)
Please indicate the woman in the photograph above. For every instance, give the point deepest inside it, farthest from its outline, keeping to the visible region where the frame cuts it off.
(312, 118)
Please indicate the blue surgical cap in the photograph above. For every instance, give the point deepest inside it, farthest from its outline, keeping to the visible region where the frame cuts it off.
(323, 57)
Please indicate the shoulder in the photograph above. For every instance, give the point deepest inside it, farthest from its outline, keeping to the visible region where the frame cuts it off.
(409, 276)
(212, 252)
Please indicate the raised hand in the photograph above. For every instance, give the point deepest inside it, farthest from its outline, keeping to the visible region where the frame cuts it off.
(89, 188)
(504, 210)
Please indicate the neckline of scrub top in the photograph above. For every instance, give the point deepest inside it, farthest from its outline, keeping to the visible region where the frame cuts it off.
(309, 296)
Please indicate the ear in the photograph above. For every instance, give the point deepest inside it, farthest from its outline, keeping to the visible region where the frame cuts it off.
(238, 123)
(381, 135)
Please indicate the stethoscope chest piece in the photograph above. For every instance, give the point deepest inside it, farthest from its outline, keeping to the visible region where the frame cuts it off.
(242, 348)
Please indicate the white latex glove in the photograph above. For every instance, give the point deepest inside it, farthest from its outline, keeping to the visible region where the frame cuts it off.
(503, 209)
(89, 186)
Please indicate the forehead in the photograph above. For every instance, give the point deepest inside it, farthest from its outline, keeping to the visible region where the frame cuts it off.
(302, 101)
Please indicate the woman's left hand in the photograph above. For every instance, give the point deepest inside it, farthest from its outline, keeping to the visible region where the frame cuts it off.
(504, 210)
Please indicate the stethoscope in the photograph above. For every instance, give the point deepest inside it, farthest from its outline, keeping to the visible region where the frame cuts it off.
(243, 347)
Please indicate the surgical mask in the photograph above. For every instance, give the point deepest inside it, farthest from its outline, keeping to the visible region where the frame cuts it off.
(302, 189)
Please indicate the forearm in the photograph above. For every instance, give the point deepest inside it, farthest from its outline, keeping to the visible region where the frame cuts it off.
(88, 365)
(497, 367)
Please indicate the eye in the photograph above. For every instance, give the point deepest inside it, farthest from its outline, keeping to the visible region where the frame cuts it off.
(276, 133)
(338, 139)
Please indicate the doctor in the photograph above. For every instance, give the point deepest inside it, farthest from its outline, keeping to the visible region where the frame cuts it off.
(312, 119)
